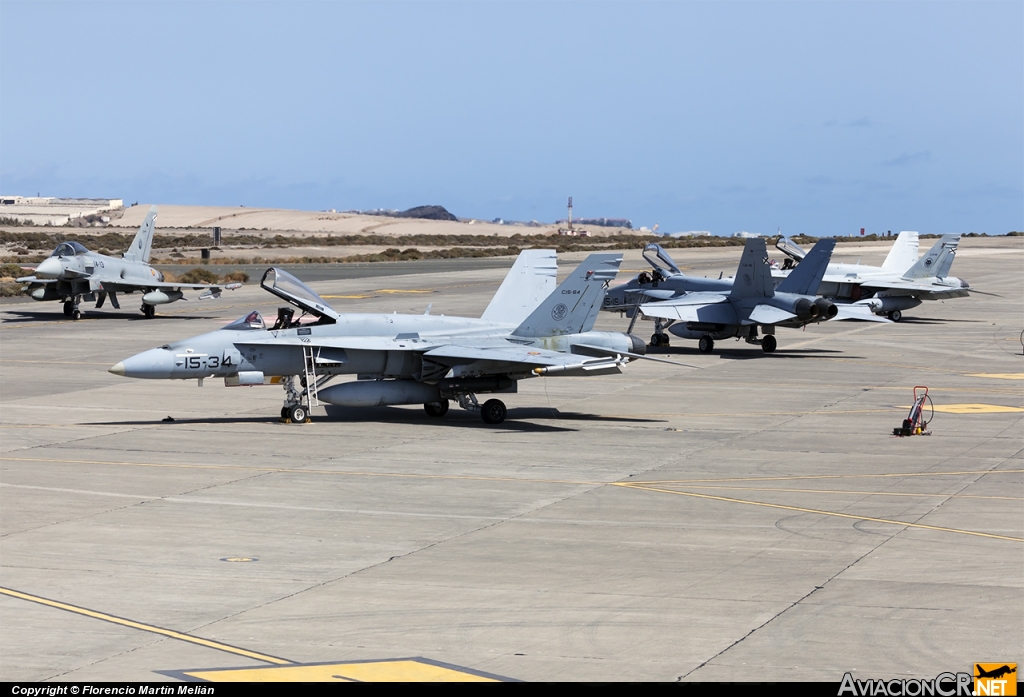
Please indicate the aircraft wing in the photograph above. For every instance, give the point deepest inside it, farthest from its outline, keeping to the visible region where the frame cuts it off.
(934, 289)
(694, 307)
(524, 358)
(122, 287)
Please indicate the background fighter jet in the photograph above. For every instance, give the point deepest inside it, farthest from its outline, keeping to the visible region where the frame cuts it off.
(900, 283)
(748, 302)
(525, 332)
(73, 273)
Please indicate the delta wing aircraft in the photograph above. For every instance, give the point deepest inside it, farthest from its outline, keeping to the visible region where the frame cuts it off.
(73, 273)
(900, 283)
(738, 307)
(526, 331)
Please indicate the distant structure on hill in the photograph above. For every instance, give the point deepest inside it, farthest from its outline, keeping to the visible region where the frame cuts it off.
(48, 210)
(421, 212)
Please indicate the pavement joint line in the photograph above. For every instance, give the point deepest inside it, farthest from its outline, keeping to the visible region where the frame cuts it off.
(280, 470)
(170, 633)
(902, 523)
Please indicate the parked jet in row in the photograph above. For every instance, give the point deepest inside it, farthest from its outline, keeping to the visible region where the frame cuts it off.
(900, 283)
(736, 308)
(73, 273)
(526, 331)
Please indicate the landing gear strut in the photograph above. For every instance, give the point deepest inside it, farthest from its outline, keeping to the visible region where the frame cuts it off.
(492, 412)
(660, 338)
(148, 311)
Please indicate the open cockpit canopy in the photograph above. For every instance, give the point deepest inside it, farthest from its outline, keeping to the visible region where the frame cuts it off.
(285, 286)
(660, 260)
(69, 249)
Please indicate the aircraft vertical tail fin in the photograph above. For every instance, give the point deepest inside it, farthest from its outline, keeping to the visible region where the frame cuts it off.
(937, 259)
(903, 254)
(572, 308)
(142, 245)
(806, 277)
(528, 282)
(754, 276)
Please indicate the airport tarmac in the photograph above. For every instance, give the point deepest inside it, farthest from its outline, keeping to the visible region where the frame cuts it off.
(750, 518)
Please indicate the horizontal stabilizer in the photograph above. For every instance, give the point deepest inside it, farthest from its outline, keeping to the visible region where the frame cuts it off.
(861, 313)
(767, 314)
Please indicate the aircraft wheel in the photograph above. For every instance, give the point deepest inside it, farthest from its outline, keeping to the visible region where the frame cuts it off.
(768, 343)
(655, 339)
(76, 315)
(493, 411)
(706, 344)
(895, 315)
(149, 311)
(436, 409)
(284, 413)
(69, 307)
(298, 414)
(664, 340)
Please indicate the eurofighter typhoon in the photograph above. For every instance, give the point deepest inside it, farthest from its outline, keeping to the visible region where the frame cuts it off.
(526, 331)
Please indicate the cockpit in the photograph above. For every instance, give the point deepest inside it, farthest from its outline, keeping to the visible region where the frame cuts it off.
(253, 320)
(285, 286)
(68, 249)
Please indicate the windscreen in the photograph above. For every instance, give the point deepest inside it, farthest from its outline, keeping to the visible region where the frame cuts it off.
(284, 285)
(253, 320)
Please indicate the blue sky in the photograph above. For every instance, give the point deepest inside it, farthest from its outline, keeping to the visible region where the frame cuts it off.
(820, 117)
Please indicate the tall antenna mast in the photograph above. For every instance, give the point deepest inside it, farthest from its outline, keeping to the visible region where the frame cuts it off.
(570, 214)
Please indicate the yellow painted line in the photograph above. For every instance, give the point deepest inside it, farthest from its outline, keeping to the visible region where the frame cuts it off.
(824, 476)
(345, 297)
(999, 376)
(973, 409)
(389, 290)
(815, 511)
(402, 670)
(853, 492)
(180, 636)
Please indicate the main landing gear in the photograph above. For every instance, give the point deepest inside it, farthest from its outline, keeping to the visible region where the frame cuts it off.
(493, 411)
(148, 311)
(71, 308)
(660, 337)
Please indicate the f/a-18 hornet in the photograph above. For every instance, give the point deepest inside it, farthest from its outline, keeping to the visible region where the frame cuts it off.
(711, 309)
(526, 331)
(900, 283)
(73, 273)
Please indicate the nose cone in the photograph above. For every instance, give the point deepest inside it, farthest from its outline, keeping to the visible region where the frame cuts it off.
(50, 268)
(153, 364)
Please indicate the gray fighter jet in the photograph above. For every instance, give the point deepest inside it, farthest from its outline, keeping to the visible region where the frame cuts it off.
(900, 283)
(73, 273)
(527, 331)
(737, 307)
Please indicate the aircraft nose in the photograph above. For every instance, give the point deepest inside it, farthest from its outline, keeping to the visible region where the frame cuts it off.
(50, 268)
(153, 364)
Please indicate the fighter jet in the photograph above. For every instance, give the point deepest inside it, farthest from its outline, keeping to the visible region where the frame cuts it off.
(73, 273)
(527, 331)
(738, 307)
(900, 283)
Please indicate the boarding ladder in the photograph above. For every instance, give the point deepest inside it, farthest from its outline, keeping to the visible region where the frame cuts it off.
(309, 359)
